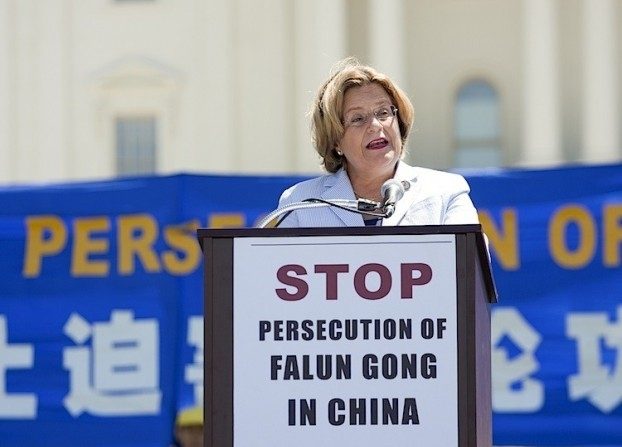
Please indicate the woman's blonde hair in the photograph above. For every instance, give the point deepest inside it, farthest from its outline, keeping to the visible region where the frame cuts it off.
(327, 110)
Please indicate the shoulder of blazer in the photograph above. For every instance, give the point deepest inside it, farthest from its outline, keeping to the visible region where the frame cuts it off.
(313, 187)
(439, 182)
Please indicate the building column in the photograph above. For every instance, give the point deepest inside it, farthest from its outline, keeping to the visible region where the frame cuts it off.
(321, 34)
(386, 38)
(601, 115)
(263, 73)
(216, 51)
(51, 147)
(26, 92)
(7, 118)
(541, 129)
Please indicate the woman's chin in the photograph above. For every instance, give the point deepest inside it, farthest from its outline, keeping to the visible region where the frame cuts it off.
(383, 162)
(386, 156)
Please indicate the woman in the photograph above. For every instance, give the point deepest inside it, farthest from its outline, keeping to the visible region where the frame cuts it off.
(360, 122)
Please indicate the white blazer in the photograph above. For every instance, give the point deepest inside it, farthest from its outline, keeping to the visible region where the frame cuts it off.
(433, 198)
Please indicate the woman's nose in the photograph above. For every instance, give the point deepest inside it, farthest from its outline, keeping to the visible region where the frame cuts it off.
(374, 123)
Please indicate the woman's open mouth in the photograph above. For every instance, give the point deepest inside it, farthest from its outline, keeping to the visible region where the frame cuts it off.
(378, 143)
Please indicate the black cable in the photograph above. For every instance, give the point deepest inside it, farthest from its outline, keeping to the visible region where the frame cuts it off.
(367, 213)
(278, 222)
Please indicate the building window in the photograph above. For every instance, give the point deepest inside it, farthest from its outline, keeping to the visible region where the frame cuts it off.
(136, 145)
(477, 130)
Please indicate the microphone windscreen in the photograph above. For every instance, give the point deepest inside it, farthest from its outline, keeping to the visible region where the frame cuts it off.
(392, 187)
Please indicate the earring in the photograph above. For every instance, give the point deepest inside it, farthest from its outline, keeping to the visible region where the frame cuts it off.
(339, 152)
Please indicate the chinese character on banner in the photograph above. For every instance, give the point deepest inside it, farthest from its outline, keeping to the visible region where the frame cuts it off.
(194, 371)
(513, 388)
(118, 375)
(596, 381)
(16, 356)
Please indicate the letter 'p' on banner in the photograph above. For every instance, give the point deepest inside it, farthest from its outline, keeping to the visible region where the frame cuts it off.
(356, 334)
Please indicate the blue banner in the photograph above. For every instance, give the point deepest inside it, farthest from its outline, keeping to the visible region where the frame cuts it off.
(101, 314)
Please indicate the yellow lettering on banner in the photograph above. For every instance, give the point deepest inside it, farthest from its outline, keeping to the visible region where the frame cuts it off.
(583, 254)
(504, 241)
(137, 235)
(226, 220)
(84, 245)
(613, 235)
(187, 253)
(45, 236)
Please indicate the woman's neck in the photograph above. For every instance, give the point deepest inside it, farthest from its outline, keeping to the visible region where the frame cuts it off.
(368, 186)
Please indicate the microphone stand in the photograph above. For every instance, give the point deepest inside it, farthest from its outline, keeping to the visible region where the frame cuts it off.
(360, 206)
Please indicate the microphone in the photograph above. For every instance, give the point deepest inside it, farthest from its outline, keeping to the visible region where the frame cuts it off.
(392, 191)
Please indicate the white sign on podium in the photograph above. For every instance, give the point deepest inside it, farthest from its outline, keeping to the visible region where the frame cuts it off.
(345, 339)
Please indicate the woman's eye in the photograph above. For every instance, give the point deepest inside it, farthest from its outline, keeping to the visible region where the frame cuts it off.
(383, 113)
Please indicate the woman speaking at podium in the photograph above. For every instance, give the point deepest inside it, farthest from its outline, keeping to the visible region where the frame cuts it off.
(360, 122)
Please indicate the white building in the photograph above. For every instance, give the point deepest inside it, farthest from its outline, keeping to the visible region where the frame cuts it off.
(99, 88)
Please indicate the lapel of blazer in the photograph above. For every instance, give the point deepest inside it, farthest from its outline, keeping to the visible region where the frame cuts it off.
(408, 175)
(338, 186)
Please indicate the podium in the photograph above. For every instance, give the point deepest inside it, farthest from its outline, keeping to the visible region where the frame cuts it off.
(351, 336)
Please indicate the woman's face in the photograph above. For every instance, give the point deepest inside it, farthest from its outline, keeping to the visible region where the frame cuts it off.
(371, 143)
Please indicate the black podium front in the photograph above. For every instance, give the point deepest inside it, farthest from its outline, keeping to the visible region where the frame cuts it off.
(363, 336)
